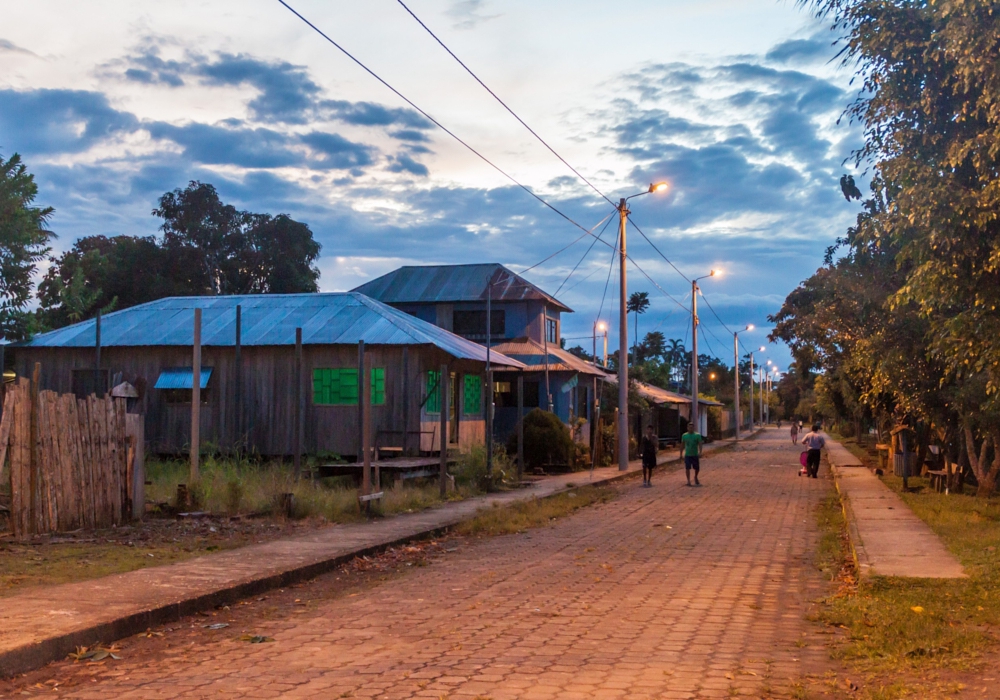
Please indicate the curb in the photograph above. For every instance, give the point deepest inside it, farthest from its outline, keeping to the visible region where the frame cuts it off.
(853, 536)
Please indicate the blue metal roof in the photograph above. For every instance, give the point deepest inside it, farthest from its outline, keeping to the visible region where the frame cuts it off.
(341, 318)
(182, 378)
(431, 284)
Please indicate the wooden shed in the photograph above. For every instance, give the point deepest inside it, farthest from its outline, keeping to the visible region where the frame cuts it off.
(249, 372)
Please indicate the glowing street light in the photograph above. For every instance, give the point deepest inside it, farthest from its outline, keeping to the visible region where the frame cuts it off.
(736, 371)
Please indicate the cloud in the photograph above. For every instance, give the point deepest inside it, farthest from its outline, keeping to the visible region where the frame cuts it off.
(58, 121)
(468, 14)
(371, 114)
(813, 49)
(11, 47)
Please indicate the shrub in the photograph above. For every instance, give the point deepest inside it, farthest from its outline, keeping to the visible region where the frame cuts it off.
(547, 440)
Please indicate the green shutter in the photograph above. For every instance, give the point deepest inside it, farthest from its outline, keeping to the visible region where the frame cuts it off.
(378, 386)
(472, 399)
(335, 387)
(433, 403)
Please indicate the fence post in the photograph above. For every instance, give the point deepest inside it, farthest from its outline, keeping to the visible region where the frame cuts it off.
(520, 427)
(196, 399)
(444, 388)
(297, 438)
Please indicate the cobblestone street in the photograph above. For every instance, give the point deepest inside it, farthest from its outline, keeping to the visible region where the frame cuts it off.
(668, 592)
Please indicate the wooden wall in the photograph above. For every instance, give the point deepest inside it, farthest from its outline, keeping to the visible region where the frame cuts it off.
(268, 383)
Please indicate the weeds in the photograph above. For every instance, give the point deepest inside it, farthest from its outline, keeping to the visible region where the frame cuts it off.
(502, 519)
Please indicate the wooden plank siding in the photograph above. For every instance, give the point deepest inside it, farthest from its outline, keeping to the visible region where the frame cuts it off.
(268, 394)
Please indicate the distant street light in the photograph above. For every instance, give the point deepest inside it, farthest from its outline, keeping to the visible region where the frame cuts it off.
(694, 345)
(602, 327)
(736, 371)
(623, 212)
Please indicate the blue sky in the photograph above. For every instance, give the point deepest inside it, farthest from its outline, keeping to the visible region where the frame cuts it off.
(734, 102)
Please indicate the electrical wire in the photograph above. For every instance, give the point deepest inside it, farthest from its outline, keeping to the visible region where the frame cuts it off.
(657, 249)
(611, 268)
(429, 117)
(721, 322)
(567, 247)
(583, 257)
(504, 104)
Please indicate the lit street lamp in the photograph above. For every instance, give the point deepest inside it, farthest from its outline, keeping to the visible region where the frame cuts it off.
(694, 346)
(603, 327)
(736, 371)
(623, 212)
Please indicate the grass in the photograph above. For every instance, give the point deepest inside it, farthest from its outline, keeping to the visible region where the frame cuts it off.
(503, 519)
(899, 625)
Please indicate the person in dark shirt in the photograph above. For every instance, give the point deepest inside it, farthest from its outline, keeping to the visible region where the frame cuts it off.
(647, 448)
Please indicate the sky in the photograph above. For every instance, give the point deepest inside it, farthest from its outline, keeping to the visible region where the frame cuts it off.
(735, 103)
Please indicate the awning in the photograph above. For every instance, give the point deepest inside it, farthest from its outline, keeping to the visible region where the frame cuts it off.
(181, 378)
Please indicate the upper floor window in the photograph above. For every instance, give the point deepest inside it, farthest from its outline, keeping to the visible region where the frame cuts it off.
(551, 330)
(472, 324)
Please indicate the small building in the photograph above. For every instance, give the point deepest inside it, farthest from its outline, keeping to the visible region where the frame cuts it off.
(525, 326)
(250, 403)
(669, 412)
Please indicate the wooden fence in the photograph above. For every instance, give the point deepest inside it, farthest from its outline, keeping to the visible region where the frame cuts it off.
(70, 460)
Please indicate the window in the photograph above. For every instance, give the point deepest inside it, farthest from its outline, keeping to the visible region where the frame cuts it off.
(552, 330)
(472, 324)
(176, 384)
(339, 386)
(505, 395)
(472, 395)
(432, 404)
(582, 402)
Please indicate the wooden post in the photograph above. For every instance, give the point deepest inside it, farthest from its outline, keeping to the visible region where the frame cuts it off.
(34, 488)
(445, 393)
(489, 426)
(238, 378)
(365, 399)
(98, 389)
(136, 431)
(406, 400)
(595, 417)
(520, 427)
(361, 408)
(196, 399)
(297, 437)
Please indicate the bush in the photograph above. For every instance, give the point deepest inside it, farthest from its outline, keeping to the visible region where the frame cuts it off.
(547, 440)
(470, 470)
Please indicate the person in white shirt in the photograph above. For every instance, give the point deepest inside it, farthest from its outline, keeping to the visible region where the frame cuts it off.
(815, 441)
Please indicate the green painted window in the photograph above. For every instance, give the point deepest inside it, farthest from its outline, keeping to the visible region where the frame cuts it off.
(339, 386)
(433, 402)
(472, 395)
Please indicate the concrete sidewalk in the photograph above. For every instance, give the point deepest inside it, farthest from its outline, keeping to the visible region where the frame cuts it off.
(887, 537)
(45, 624)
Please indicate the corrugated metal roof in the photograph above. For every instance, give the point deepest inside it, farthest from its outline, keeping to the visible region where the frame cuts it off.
(532, 354)
(343, 318)
(661, 396)
(430, 284)
(182, 378)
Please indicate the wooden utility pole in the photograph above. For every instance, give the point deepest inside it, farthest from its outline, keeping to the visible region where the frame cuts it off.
(297, 438)
(444, 389)
(98, 389)
(195, 396)
(238, 372)
(406, 399)
(366, 424)
(520, 427)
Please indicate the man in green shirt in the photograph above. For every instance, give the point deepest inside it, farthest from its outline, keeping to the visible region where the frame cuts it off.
(691, 443)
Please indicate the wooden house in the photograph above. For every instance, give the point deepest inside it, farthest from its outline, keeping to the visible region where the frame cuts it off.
(525, 325)
(249, 372)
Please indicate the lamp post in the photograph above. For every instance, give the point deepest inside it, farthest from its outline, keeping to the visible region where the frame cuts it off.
(694, 347)
(736, 372)
(623, 213)
(603, 327)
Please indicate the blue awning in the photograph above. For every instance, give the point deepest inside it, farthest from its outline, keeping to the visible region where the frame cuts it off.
(181, 378)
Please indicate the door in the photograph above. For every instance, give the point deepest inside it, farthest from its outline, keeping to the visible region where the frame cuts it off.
(453, 410)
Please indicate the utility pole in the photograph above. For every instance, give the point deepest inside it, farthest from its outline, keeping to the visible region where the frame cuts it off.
(736, 372)
(623, 213)
(694, 356)
(489, 382)
(751, 394)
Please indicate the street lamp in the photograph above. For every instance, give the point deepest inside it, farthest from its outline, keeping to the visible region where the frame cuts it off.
(762, 349)
(694, 346)
(603, 327)
(623, 212)
(736, 371)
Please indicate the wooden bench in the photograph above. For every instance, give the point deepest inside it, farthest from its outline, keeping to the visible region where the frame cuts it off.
(939, 479)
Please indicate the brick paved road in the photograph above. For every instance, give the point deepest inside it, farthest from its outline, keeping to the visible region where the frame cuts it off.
(669, 592)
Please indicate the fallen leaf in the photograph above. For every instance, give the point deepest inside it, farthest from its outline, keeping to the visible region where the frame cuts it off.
(217, 626)
(917, 609)
(256, 638)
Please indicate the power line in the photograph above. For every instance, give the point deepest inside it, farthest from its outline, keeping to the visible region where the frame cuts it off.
(567, 247)
(580, 262)
(504, 104)
(611, 268)
(428, 116)
(657, 249)
(721, 322)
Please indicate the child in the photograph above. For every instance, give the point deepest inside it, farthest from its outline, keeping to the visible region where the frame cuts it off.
(691, 443)
(647, 448)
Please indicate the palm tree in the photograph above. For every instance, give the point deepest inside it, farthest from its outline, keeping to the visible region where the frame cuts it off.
(638, 303)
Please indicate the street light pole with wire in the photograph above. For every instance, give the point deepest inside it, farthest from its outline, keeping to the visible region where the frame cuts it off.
(694, 347)
(623, 213)
(736, 371)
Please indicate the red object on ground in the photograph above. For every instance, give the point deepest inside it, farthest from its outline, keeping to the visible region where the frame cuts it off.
(803, 458)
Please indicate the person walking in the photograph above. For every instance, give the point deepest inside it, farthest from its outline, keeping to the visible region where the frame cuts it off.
(647, 448)
(815, 441)
(691, 443)
(795, 432)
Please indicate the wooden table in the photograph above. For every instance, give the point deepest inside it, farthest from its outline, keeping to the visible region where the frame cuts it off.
(400, 469)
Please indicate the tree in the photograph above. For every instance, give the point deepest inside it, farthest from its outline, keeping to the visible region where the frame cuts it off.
(638, 303)
(24, 242)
